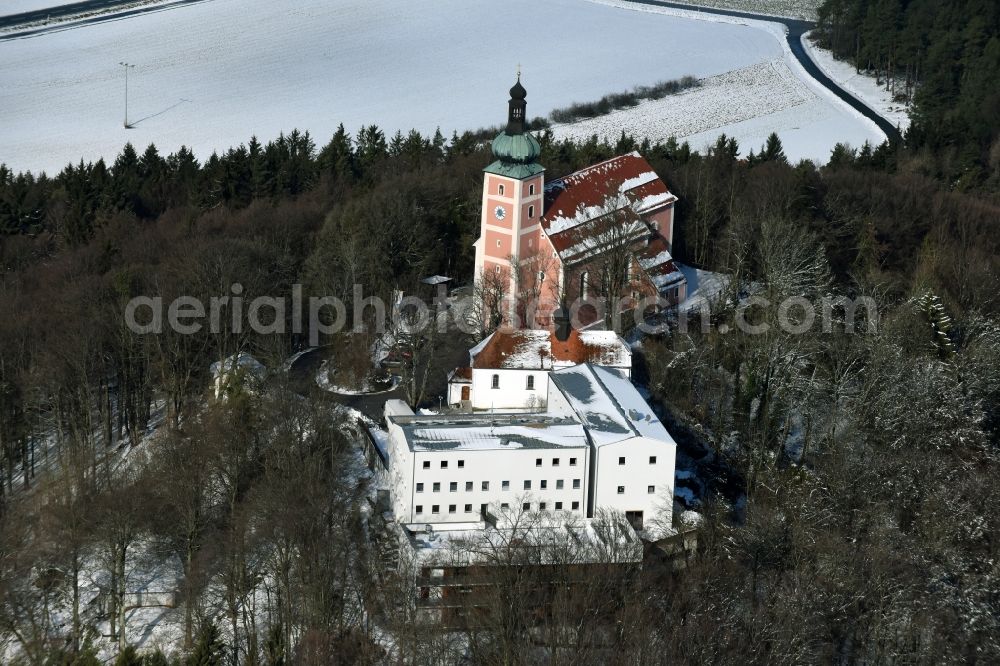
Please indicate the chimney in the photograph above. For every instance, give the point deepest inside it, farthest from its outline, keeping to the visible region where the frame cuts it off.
(562, 323)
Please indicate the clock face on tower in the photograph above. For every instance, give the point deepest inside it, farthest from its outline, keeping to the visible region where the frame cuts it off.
(499, 212)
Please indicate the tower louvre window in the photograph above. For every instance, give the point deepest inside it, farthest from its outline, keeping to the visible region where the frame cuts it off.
(500, 189)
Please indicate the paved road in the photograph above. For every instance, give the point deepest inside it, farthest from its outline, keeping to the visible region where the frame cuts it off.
(796, 28)
(75, 9)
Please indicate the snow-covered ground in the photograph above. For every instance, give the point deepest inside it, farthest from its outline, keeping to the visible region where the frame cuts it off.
(209, 75)
(862, 86)
(802, 9)
(747, 103)
(703, 287)
(8, 7)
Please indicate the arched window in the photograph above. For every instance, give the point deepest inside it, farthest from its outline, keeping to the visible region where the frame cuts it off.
(531, 190)
(531, 382)
(500, 189)
(584, 284)
(531, 211)
(496, 382)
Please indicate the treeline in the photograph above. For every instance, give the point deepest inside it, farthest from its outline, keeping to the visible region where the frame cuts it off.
(948, 52)
(623, 100)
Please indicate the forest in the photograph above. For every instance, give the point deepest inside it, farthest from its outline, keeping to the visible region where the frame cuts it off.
(848, 494)
(944, 54)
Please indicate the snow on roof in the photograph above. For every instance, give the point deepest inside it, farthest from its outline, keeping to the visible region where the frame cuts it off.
(469, 432)
(532, 349)
(626, 180)
(243, 361)
(608, 404)
(659, 265)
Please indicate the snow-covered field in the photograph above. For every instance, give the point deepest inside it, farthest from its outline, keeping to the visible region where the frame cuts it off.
(773, 95)
(803, 9)
(8, 7)
(862, 86)
(209, 75)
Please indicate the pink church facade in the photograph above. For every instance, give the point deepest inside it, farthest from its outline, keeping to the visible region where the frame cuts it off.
(540, 242)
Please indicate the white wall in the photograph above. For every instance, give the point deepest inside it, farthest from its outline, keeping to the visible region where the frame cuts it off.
(636, 475)
(513, 392)
(514, 465)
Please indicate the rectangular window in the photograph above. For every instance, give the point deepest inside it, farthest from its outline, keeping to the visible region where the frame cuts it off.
(531, 383)
(496, 381)
(651, 489)
(420, 487)
(437, 487)
(545, 484)
(436, 508)
(621, 460)
(576, 484)
(538, 462)
(468, 486)
(486, 485)
(452, 508)
(621, 490)
(427, 464)
(527, 485)
(504, 506)
(555, 462)
(576, 506)
(461, 464)
(453, 486)
(468, 508)
(541, 507)
(559, 484)
(558, 506)
(420, 508)
(652, 460)
(526, 506)
(572, 462)
(444, 464)
(483, 508)
(505, 485)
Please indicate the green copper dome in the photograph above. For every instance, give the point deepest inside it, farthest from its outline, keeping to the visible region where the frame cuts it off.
(517, 148)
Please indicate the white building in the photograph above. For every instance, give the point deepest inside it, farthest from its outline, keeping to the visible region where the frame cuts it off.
(508, 370)
(598, 446)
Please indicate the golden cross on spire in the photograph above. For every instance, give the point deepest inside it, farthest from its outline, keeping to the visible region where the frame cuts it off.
(518, 71)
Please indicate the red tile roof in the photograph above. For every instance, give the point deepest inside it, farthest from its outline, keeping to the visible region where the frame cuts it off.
(655, 259)
(529, 349)
(585, 194)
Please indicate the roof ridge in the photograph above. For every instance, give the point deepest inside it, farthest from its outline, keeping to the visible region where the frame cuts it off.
(561, 179)
(614, 400)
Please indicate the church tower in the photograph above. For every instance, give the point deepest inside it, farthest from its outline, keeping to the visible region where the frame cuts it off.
(513, 197)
